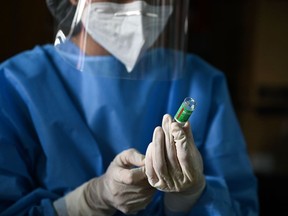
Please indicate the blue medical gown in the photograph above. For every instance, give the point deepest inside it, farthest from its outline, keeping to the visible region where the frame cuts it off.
(59, 128)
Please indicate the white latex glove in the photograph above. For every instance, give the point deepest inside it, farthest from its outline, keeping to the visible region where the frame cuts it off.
(122, 187)
(174, 165)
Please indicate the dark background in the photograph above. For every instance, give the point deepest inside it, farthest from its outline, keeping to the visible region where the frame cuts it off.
(247, 40)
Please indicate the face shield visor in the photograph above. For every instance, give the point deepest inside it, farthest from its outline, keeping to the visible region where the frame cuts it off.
(123, 39)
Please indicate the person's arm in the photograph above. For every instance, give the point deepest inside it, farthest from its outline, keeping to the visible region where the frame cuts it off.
(123, 187)
(19, 192)
(174, 165)
(230, 185)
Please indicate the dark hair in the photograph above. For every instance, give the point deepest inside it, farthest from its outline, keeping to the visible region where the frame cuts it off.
(63, 12)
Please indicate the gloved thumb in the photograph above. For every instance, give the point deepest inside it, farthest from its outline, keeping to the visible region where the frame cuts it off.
(177, 131)
(129, 167)
(130, 158)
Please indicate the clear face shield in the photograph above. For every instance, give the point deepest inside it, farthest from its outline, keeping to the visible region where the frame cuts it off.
(124, 39)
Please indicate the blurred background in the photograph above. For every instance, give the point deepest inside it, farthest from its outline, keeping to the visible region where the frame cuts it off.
(247, 40)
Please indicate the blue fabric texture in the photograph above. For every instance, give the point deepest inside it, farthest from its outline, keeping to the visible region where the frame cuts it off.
(59, 128)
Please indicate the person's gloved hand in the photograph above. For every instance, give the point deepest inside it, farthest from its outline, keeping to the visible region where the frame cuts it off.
(173, 164)
(123, 187)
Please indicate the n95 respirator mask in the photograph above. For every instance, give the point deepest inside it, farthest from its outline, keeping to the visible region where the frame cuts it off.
(125, 30)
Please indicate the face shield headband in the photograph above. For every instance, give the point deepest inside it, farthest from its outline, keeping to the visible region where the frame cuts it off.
(126, 40)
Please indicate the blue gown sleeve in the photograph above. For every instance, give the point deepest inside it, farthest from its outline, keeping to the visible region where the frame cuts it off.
(231, 184)
(20, 193)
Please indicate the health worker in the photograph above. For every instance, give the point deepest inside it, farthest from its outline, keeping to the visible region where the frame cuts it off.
(87, 128)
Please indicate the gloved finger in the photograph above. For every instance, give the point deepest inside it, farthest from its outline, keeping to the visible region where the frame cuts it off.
(184, 149)
(195, 154)
(130, 158)
(188, 131)
(158, 157)
(123, 163)
(171, 154)
(130, 176)
(149, 169)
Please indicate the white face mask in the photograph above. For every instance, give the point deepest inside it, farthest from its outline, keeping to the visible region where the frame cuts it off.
(125, 30)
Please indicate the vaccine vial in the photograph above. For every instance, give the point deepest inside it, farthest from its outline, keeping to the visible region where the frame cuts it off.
(185, 111)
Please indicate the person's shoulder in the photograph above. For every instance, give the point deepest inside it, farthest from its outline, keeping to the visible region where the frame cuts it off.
(37, 52)
(199, 65)
(28, 62)
(34, 55)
